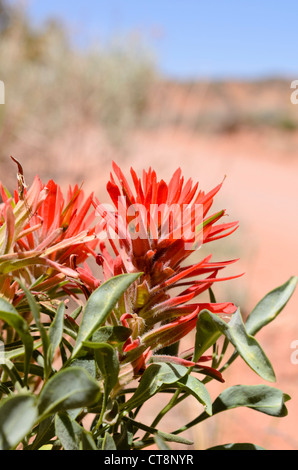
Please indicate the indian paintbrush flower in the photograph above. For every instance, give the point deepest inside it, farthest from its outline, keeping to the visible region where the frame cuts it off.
(153, 228)
(42, 235)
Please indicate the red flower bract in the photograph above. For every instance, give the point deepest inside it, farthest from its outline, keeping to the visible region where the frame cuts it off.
(43, 236)
(158, 226)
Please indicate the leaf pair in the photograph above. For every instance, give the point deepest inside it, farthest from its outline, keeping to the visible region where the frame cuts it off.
(262, 398)
(162, 375)
(210, 327)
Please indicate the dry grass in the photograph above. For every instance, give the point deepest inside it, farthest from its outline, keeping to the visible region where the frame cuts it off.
(53, 91)
(69, 112)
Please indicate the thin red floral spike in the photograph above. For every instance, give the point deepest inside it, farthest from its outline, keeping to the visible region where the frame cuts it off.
(68, 216)
(157, 226)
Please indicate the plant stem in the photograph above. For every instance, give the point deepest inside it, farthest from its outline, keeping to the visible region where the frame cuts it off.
(173, 402)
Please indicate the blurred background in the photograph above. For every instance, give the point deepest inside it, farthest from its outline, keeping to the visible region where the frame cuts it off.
(201, 85)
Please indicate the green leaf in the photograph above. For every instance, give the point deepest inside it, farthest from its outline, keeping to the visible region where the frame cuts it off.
(13, 373)
(68, 389)
(12, 262)
(111, 334)
(268, 400)
(87, 363)
(71, 435)
(20, 351)
(17, 416)
(238, 446)
(9, 231)
(212, 296)
(10, 315)
(111, 414)
(99, 306)
(161, 443)
(124, 438)
(156, 432)
(34, 369)
(208, 221)
(247, 346)
(45, 431)
(197, 389)
(270, 306)
(56, 332)
(108, 442)
(107, 361)
(207, 333)
(154, 377)
(35, 310)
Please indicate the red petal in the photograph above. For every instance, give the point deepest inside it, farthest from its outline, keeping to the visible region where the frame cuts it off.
(125, 186)
(162, 193)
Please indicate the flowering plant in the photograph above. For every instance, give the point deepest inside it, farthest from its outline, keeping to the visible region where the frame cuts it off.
(96, 301)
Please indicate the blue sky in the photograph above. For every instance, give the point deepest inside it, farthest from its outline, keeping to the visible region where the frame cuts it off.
(192, 38)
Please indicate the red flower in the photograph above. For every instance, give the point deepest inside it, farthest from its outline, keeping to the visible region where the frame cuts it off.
(158, 226)
(64, 225)
(42, 235)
